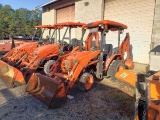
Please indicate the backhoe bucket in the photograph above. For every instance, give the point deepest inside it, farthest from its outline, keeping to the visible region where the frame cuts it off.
(49, 90)
(11, 75)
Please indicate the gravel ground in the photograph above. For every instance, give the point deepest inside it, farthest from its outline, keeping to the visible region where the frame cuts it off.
(101, 102)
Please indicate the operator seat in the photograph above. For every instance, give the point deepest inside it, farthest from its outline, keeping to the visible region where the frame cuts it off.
(79, 43)
(93, 43)
(107, 49)
(74, 42)
(93, 46)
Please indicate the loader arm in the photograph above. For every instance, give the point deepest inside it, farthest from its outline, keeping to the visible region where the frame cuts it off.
(16, 53)
(29, 48)
(43, 52)
(8, 54)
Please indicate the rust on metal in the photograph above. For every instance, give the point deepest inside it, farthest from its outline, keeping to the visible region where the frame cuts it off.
(10, 75)
(47, 89)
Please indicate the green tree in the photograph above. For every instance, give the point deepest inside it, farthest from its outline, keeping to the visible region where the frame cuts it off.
(18, 22)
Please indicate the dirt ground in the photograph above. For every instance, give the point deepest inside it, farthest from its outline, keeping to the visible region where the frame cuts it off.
(101, 102)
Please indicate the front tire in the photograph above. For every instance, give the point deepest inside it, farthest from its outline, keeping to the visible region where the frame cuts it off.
(86, 82)
(47, 66)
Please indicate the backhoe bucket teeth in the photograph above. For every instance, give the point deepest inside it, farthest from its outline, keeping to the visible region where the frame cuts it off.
(11, 75)
(49, 90)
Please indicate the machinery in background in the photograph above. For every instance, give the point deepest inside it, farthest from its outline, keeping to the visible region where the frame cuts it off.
(7, 43)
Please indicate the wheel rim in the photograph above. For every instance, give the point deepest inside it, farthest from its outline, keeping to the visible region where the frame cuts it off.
(88, 82)
(50, 68)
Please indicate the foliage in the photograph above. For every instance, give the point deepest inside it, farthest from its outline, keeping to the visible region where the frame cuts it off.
(18, 22)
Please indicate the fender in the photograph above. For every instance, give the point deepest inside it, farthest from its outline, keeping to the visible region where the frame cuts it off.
(109, 60)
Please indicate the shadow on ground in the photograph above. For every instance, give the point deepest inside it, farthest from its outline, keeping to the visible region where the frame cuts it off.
(102, 102)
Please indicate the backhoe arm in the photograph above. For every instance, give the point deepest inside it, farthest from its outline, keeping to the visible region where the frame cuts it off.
(125, 47)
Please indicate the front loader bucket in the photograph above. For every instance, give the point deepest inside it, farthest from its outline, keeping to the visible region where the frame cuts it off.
(49, 90)
(11, 75)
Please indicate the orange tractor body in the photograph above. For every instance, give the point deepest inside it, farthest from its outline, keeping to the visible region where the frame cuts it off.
(35, 59)
(17, 54)
(45, 52)
(82, 64)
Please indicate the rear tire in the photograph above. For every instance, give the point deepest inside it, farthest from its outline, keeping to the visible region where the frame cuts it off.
(113, 68)
(48, 65)
(86, 82)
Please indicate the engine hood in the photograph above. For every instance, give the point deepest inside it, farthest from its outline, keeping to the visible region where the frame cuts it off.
(78, 55)
(28, 44)
(45, 48)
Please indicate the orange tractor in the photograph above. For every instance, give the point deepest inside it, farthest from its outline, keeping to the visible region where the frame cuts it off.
(29, 63)
(16, 55)
(84, 62)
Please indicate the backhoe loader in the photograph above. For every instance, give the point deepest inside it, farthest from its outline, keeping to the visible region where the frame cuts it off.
(94, 59)
(31, 62)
